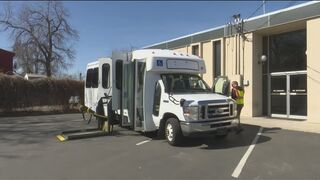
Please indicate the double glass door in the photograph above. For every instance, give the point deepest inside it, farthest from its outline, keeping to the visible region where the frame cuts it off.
(288, 95)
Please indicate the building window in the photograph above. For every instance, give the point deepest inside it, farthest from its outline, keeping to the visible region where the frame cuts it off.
(195, 50)
(89, 78)
(217, 58)
(95, 78)
(287, 52)
(105, 75)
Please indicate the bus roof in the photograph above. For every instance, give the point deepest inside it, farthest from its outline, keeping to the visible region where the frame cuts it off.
(170, 54)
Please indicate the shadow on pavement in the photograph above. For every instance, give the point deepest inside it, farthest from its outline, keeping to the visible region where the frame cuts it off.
(244, 138)
(37, 129)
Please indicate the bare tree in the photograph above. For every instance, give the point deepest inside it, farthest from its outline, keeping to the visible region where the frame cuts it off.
(29, 57)
(42, 35)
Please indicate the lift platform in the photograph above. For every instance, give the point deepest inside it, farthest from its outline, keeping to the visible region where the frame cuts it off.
(81, 134)
(104, 128)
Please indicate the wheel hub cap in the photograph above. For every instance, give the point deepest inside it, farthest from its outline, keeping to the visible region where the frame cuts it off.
(169, 132)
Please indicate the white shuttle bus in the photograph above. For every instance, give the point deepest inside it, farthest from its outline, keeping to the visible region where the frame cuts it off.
(158, 90)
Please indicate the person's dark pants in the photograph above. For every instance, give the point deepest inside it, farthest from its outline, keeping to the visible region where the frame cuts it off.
(239, 108)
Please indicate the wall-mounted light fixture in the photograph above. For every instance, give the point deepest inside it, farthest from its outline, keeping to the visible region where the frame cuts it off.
(262, 59)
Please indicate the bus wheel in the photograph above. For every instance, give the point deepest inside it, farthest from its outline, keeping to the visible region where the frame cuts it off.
(173, 132)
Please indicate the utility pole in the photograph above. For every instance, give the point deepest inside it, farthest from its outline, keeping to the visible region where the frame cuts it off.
(237, 24)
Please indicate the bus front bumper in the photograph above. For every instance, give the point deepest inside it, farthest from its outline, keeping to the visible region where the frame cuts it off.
(208, 127)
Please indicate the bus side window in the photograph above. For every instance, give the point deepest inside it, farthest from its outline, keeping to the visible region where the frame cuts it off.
(89, 78)
(105, 76)
(118, 74)
(156, 99)
(95, 78)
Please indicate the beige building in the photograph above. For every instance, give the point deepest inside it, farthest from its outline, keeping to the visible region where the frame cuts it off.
(275, 56)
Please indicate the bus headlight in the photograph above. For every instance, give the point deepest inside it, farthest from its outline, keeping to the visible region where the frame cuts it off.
(232, 107)
(191, 113)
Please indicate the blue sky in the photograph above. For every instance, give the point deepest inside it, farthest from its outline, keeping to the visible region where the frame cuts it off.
(104, 26)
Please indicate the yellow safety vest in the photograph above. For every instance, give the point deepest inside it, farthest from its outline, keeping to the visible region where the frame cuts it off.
(240, 94)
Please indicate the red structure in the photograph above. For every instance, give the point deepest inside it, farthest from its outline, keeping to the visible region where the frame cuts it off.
(6, 61)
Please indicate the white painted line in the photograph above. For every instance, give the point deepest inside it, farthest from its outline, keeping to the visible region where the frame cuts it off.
(142, 142)
(243, 161)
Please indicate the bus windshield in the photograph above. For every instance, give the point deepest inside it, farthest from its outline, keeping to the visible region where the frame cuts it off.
(184, 83)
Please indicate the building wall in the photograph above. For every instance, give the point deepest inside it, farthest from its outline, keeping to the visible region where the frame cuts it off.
(189, 50)
(313, 69)
(241, 58)
(182, 49)
(240, 62)
(223, 59)
(206, 52)
(257, 81)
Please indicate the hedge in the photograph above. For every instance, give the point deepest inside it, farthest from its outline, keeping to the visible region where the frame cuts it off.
(16, 92)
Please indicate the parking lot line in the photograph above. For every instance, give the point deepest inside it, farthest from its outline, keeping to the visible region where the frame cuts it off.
(142, 142)
(245, 157)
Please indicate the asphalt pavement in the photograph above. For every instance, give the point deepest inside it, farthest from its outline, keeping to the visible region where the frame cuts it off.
(30, 150)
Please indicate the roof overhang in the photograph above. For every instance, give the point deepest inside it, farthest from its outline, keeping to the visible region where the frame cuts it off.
(288, 15)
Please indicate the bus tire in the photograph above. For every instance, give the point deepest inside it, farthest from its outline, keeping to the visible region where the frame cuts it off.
(173, 132)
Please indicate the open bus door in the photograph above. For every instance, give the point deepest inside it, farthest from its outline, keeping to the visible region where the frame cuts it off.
(128, 94)
(139, 87)
(221, 85)
(116, 84)
(123, 87)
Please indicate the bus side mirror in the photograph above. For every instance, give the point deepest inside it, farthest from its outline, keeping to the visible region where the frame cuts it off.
(182, 102)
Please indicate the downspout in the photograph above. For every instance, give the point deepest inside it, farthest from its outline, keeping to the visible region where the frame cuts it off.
(239, 55)
(243, 46)
(236, 54)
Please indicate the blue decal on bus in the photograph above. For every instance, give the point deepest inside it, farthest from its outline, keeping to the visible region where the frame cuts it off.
(159, 63)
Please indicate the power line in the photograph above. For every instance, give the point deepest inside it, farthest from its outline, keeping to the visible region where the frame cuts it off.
(255, 11)
(291, 3)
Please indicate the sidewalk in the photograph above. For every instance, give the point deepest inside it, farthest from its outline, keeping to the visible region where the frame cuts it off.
(296, 125)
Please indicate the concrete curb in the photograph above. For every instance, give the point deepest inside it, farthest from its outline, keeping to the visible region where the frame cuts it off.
(295, 125)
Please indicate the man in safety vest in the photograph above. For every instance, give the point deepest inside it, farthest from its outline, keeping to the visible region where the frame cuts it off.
(237, 94)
